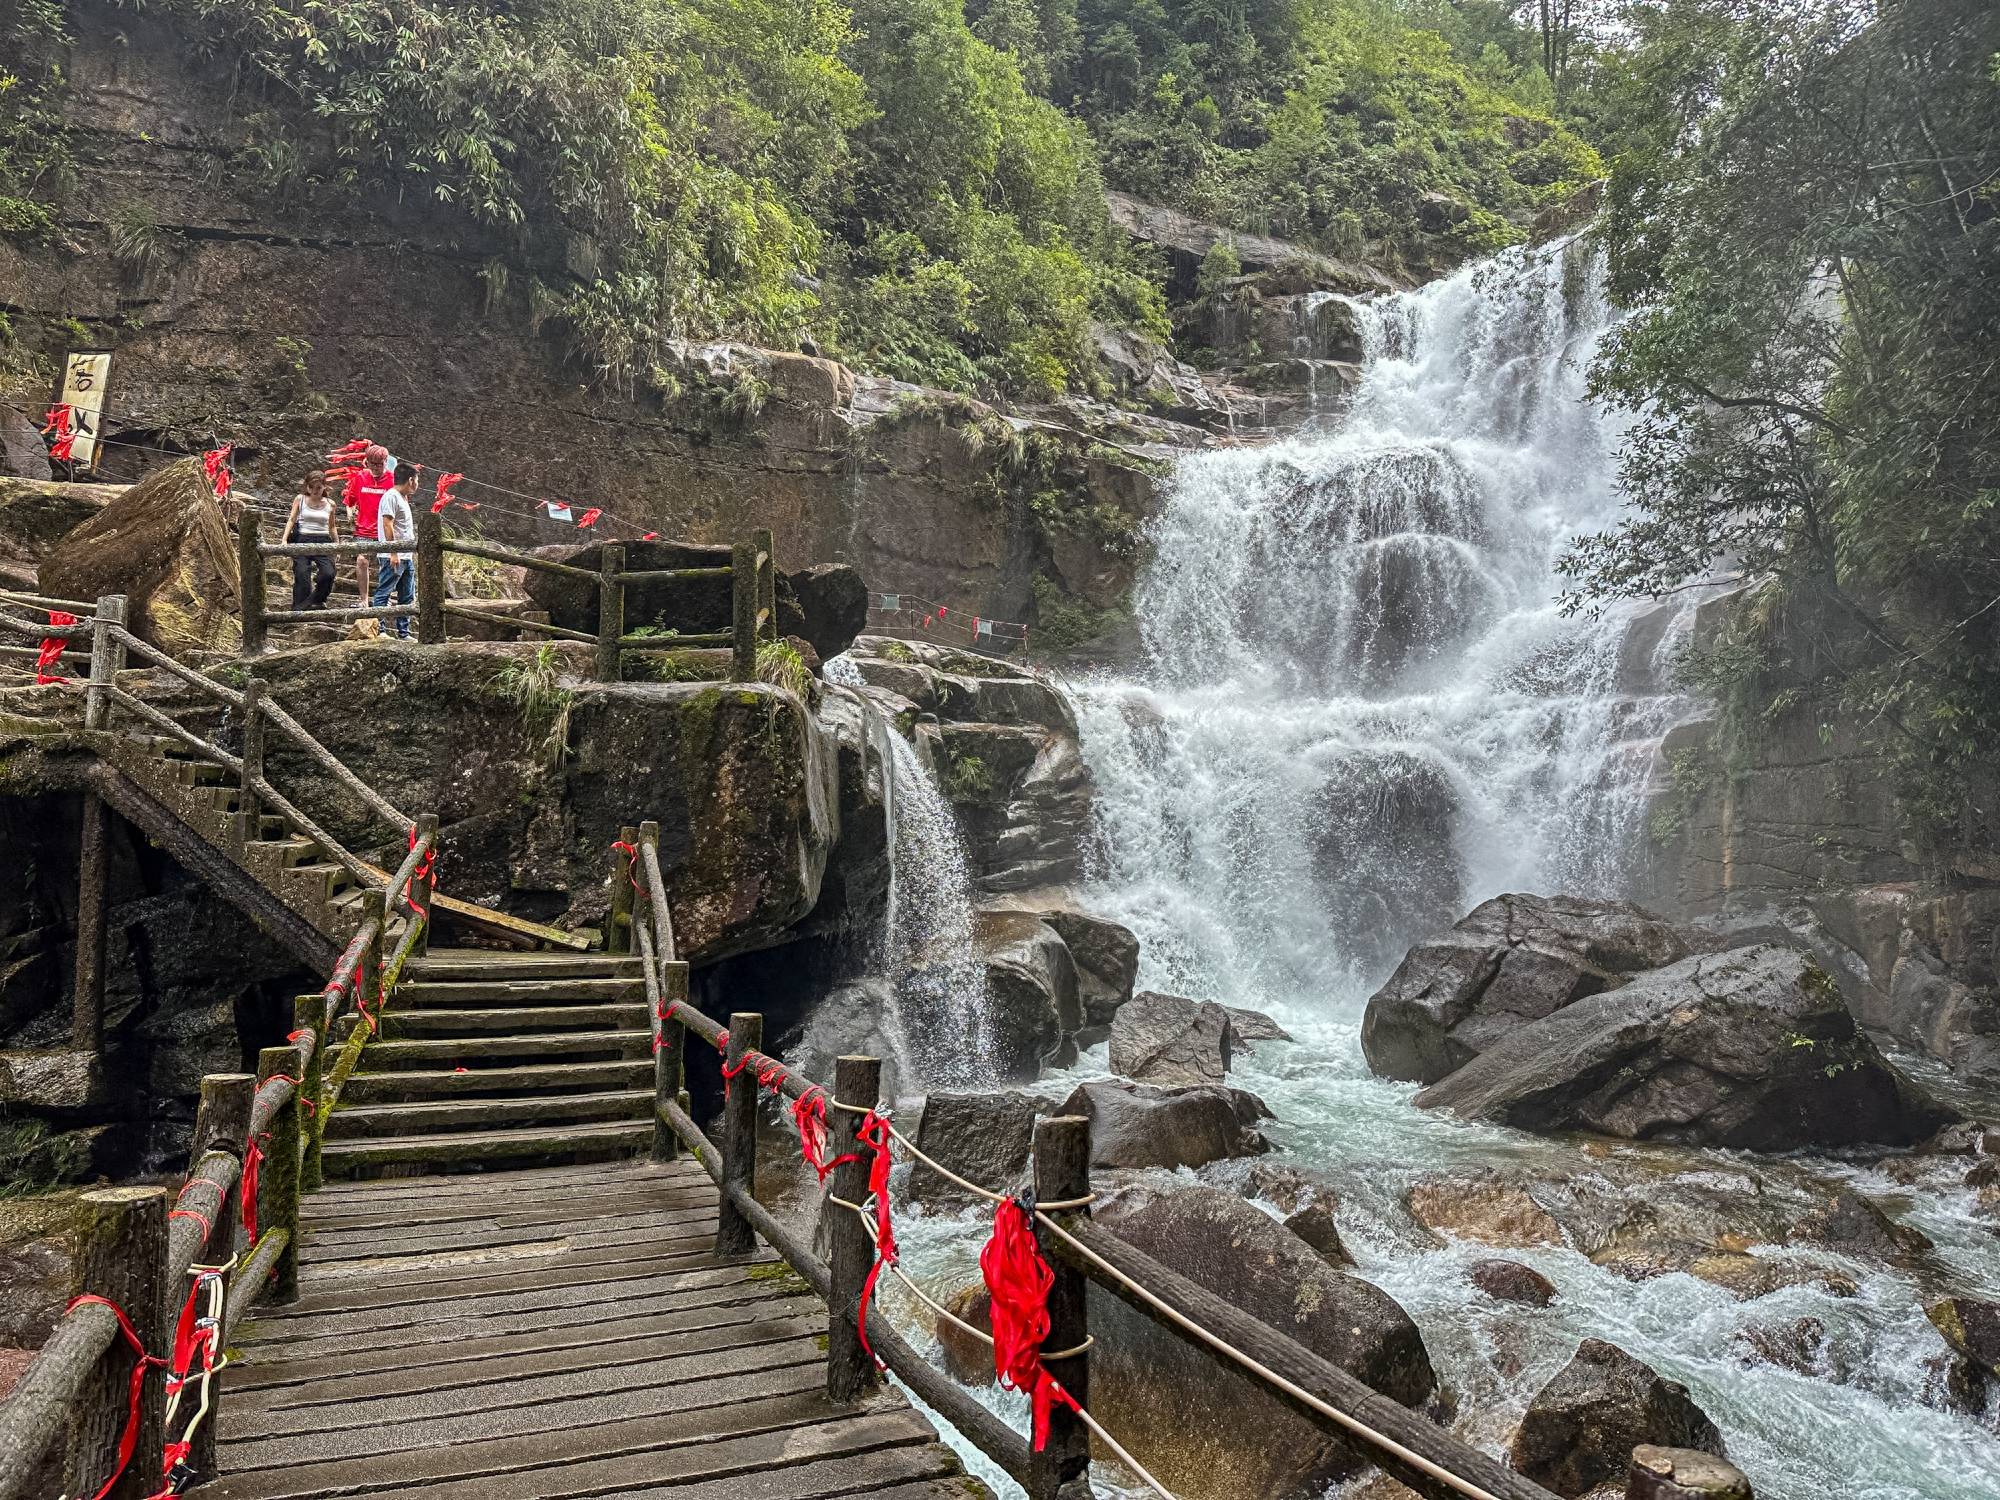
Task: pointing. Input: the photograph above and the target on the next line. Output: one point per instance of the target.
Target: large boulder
(1143, 1125)
(1682, 1474)
(1580, 1430)
(985, 1138)
(1512, 959)
(1972, 1327)
(35, 515)
(1107, 960)
(166, 545)
(1032, 1004)
(1169, 1039)
(833, 606)
(1750, 1049)
(1392, 813)
(1207, 1430)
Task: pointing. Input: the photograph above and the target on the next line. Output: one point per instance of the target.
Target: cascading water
(1363, 712)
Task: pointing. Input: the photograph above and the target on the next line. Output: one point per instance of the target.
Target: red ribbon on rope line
(809, 1115)
(61, 425)
(874, 1135)
(128, 1440)
(1018, 1280)
(52, 649)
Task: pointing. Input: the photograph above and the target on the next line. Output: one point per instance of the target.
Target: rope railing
(1072, 1250)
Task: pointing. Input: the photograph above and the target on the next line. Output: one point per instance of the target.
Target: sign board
(85, 377)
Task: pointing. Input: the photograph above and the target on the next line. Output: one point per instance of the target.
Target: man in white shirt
(395, 522)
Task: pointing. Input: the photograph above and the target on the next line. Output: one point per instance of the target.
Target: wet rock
(852, 1021)
(1485, 1212)
(1972, 1327)
(54, 1081)
(968, 1360)
(37, 1261)
(1031, 994)
(1247, 1026)
(166, 545)
(1682, 1474)
(1750, 1049)
(833, 605)
(1315, 1224)
(1187, 1412)
(1392, 813)
(1512, 960)
(1798, 1346)
(1023, 795)
(1107, 960)
(985, 1138)
(1510, 1281)
(1849, 1223)
(1285, 1187)
(1955, 1384)
(1142, 1125)
(1580, 1430)
(1169, 1039)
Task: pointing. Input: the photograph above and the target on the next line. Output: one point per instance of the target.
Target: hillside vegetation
(914, 189)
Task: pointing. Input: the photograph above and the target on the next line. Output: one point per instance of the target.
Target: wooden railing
(1402, 1443)
(752, 574)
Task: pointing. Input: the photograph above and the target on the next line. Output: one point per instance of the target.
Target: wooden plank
(487, 919)
(326, 1247)
(485, 1184)
(502, 1227)
(584, 1204)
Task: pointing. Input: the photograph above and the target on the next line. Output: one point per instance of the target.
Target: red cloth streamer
(60, 425)
(142, 1362)
(874, 1135)
(215, 464)
(732, 1071)
(252, 1160)
(1018, 1281)
(651, 536)
(52, 650)
(809, 1114)
(631, 853)
(589, 518)
(446, 484)
(190, 1340)
(421, 872)
(771, 1077)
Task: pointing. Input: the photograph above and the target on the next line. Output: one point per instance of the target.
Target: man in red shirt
(363, 499)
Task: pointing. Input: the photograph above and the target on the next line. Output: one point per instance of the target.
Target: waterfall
(1364, 709)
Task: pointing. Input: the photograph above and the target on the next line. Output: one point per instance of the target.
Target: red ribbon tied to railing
(215, 464)
(874, 1135)
(1018, 1280)
(50, 654)
(421, 872)
(128, 1440)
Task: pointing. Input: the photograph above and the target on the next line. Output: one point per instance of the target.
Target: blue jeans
(397, 577)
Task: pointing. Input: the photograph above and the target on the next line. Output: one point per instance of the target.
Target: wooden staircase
(490, 1059)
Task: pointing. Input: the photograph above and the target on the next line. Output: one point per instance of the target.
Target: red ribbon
(252, 1160)
(215, 464)
(128, 1440)
(60, 425)
(53, 647)
(446, 484)
(732, 1071)
(874, 1135)
(631, 853)
(809, 1115)
(588, 518)
(421, 872)
(1018, 1280)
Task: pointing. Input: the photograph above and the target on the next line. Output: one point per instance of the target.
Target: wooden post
(738, 1138)
(423, 888)
(250, 580)
(93, 910)
(1062, 1173)
(309, 1016)
(743, 612)
(767, 584)
(249, 810)
(610, 610)
(430, 577)
(122, 1252)
(221, 1123)
(107, 656)
(669, 1060)
(278, 1178)
(850, 1373)
(618, 934)
(368, 976)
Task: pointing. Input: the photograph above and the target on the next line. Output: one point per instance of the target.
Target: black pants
(309, 592)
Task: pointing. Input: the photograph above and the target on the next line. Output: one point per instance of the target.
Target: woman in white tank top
(311, 520)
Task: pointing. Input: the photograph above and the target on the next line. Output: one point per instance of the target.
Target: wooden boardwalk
(562, 1331)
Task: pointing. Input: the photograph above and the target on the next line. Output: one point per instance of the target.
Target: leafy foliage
(1806, 219)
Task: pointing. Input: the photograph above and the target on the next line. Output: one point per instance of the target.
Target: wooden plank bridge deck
(560, 1331)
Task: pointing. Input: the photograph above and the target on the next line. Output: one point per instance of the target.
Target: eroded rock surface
(1169, 1039)
(1580, 1430)
(1142, 1125)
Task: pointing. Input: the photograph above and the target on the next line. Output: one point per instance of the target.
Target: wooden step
(468, 965)
(521, 1021)
(489, 1148)
(433, 1117)
(430, 994)
(496, 1051)
(417, 1084)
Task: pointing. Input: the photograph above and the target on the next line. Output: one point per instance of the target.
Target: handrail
(24, 599)
(494, 553)
(207, 749)
(330, 763)
(192, 678)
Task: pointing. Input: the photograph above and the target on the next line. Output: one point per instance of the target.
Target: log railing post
(278, 1179)
(122, 1258)
(850, 1373)
(618, 934)
(250, 581)
(430, 577)
(107, 656)
(249, 810)
(220, 1124)
(743, 611)
(93, 913)
(733, 1234)
(668, 1061)
(309, 1016)
(767, 584)
(368, 973)
(610, 609)
(1062, 1174)
(423, 886)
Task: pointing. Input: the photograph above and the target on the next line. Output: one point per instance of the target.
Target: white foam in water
(1362, 713)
